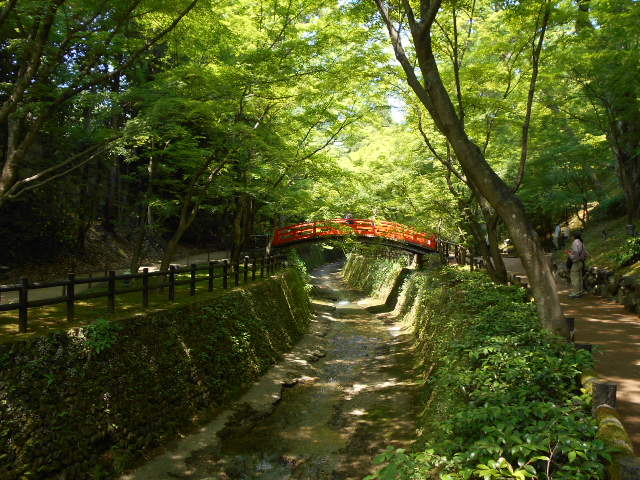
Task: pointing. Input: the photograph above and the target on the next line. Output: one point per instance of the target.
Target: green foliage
(359, 272)
(629, 253)
(501, 399)
(180, 365)
(102, 335)
(612, 207)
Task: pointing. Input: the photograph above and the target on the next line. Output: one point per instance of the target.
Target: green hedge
(501, 396)
(83, 404)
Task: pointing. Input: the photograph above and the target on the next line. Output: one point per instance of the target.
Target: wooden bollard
(172, 283)
(23, 312)
(604, 393)
(571, 324)
(192, 279)
(71, 297)
(210, 274)
(629, 468)
(111, 296)
(145, 287)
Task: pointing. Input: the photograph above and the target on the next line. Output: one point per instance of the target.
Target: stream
(350, 399)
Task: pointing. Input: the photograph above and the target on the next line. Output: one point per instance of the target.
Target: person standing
(578, 254)
(564, 235)
(556, 236)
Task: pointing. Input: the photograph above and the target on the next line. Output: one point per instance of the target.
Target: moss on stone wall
(82, 404)
(373, 276)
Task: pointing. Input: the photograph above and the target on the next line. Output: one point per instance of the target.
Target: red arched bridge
(388, 233)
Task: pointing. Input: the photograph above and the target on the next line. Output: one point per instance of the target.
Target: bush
(613, 207)
(628, 253)
(501, 400)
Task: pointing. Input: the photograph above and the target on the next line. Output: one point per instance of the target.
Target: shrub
(501, 400)
(613, 207)
(628, 253)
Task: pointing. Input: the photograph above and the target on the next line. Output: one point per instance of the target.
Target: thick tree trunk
(629, 167)
(494, 247)
(434, 96)
(625, 139)
(141, 235)
(482, 246)
(498, 194)
(170, 249)
(110, 207)
(240, 224)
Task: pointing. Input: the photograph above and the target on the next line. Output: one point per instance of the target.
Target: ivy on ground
(502, 397)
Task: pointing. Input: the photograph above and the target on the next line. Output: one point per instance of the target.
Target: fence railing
(247, 269)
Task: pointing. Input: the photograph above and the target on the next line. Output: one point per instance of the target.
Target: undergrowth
(501, 397)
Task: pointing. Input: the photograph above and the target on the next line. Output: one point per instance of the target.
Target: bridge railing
(359, 227)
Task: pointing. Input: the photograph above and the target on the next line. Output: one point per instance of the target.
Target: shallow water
(331, 425)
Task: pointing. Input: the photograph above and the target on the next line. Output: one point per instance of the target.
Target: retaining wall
(85, 403)
(624, 289)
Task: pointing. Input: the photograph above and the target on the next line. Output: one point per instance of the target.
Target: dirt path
(616, 334)
(325, 412)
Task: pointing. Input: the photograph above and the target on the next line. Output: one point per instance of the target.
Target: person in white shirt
(556, 236)
(578, 254)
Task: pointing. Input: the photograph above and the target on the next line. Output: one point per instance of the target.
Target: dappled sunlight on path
(615, 334)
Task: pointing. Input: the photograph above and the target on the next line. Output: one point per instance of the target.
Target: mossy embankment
(501, 395)
(85, 403)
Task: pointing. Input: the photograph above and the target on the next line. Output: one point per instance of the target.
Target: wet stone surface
(359, 398)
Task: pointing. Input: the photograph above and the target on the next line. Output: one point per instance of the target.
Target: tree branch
(15, 191)
(535, 60)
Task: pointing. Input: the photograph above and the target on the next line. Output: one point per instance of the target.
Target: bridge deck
(396, 233)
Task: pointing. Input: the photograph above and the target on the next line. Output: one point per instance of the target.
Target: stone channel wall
(87, 402)
(410, 307)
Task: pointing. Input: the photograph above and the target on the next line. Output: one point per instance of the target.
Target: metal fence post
(246, 269)
(225, 274)
(236, 273)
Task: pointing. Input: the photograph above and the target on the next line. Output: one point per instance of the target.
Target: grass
(602, 250)
(45, 320)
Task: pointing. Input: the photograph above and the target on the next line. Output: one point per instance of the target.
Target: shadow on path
(616, 334)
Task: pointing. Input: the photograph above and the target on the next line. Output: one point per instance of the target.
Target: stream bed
(354, 396)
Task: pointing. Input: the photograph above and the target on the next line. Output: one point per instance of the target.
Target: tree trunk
(625, 138)
(239, 238)
(186, 218)
(482, 246)
(434, 96)
(496, 257)
(145, 217)
(110, 208)
(138, 247)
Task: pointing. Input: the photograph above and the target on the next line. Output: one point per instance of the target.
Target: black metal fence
(241, 271)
